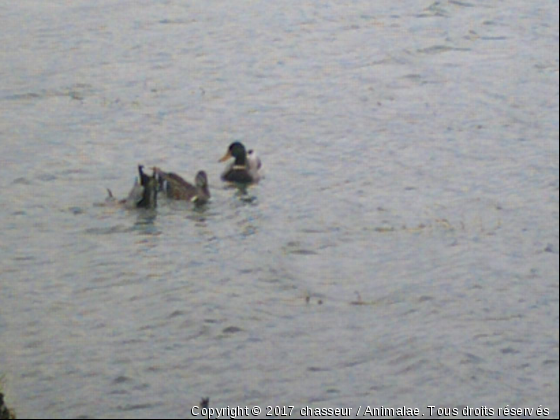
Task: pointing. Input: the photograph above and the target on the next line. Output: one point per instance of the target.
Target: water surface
(401, 250)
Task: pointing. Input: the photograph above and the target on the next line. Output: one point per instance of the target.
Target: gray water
(402, 248)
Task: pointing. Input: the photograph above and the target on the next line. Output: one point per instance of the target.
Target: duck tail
(143, 177)
(150, 184)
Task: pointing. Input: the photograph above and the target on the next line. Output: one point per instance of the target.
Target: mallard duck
(245, 168)
(143, 193)
(179, 189)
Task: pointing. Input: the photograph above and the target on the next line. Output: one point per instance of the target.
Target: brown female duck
(179, 189)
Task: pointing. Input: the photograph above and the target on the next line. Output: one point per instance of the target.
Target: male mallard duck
(143, 193)
(179, 189)
(245, 168)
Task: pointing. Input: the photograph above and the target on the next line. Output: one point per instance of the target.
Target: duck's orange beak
(225, 157)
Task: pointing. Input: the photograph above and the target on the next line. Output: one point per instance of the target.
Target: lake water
(402, 248)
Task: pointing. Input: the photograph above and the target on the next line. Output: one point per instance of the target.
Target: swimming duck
(179, 189)
(245, 168)
(143, 193)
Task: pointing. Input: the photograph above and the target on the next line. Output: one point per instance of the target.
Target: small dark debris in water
(550, 248)
(308, 300)
(409, 188)
(121, 380)
(231, 330)
(5, 412)
(358, 300)
(248, 199)
(303, 252)
(76, 96)
(175, 314)
(76, 210)
(205, 403)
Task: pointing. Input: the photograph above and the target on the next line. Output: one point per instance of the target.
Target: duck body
(178, 189)
(245, 168)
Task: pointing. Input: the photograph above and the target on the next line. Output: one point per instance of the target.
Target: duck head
(201, 182)
(237, 151)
